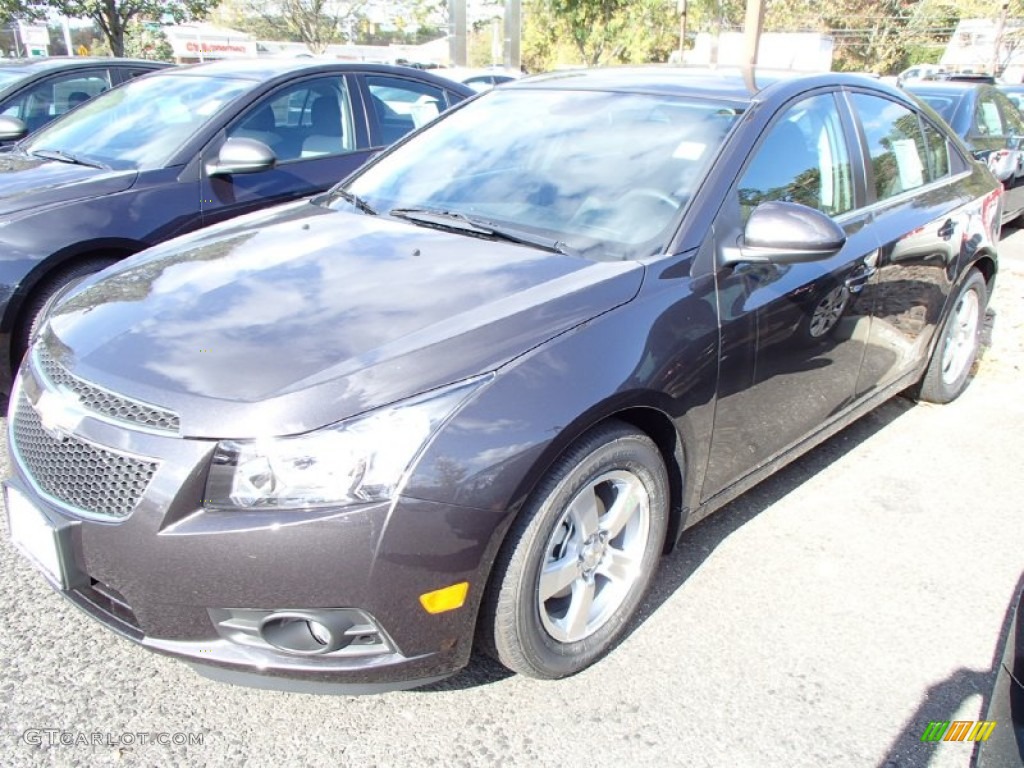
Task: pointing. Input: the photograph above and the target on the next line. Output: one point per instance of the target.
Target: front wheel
(950, 367)
(580, 557)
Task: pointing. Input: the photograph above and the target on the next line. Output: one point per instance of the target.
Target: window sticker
(909, 163)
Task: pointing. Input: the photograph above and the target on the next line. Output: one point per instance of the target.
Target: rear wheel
(580, 557)
(950, 367)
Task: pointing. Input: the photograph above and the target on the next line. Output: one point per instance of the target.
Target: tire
(950, 366)
(47, 293)
(548, 628)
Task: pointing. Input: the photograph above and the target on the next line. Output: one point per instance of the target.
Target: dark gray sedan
(469, 396)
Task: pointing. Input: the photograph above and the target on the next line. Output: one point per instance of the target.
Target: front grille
(103, 402)
(79, 474)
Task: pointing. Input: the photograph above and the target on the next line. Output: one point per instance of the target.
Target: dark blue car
(181, 149)
(990, 125)
(38, 91)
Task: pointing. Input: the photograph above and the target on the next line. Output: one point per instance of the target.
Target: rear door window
(896, 145)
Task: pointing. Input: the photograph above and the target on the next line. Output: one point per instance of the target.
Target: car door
(915, 178)
(317, 133)
(792, 335)
(49, 98)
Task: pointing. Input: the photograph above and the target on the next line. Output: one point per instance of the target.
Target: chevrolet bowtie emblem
(59, 413)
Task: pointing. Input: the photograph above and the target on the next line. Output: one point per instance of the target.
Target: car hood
(294, 318)
(33, 182)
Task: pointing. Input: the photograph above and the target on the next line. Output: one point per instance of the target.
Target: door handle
(860, 277)
(947, 229)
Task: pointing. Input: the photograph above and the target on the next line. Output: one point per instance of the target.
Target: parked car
(1015, 93)
(473, 393)
(991, 126)
(1002, 742)
(481, 79)
(919, 72)
(964, 77)
(182, 149)
(36, 91)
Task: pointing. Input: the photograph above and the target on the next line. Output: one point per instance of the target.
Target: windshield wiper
(356, 201)
(67, 157)
(460, 222)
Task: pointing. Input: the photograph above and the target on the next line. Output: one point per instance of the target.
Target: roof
(943, 86)
(30, 66)
(264, 69)
(727, 84)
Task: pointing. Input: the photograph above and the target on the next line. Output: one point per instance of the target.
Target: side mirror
(787, 233)
(238, 155)
(12, 129)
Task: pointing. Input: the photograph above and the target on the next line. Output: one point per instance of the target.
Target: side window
(1011, 116)
(802, 159)
(987, 120)
(309, 119)
(51, 98)
(899, 160)
(130, 73)
(938, 151)
(402, 105)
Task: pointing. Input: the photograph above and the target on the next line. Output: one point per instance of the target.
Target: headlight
(355, 461)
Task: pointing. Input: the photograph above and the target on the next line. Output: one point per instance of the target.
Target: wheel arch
(986, 264)
(651, 419)
(45, 270)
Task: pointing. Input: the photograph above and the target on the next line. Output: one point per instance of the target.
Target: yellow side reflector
(446, 598)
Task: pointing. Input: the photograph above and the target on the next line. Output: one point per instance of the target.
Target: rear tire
(950, 367)
(580, 557)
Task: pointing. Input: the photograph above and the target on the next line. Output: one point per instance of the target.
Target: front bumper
(167, 574)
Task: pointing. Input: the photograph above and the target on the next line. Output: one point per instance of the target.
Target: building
(197, 42)
(973, 48)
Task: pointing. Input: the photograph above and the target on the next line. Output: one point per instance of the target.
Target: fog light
(446, 598)
(306, 633)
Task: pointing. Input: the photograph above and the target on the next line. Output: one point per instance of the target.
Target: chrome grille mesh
(106, 403)
(80, 474)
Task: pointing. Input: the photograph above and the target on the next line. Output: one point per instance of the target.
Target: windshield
(140, 125)
(603, 173)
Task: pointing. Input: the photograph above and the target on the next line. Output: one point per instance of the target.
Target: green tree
(147, 41)
(317, 23)
(114, 16)
(595, 32)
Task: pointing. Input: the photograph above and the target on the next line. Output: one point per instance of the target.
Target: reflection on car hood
(32, 182)
(299, 316)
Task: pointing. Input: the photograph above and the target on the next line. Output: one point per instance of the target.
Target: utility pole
(681, 7)
(1000, 29)
(457, 53)
(513, 58)
(752, 31)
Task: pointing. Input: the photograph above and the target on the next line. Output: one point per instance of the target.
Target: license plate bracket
(46, 542)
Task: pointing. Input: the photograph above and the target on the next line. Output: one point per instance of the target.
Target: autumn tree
(114, 16)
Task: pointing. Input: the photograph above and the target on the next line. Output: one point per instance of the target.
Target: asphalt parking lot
(822, 619)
